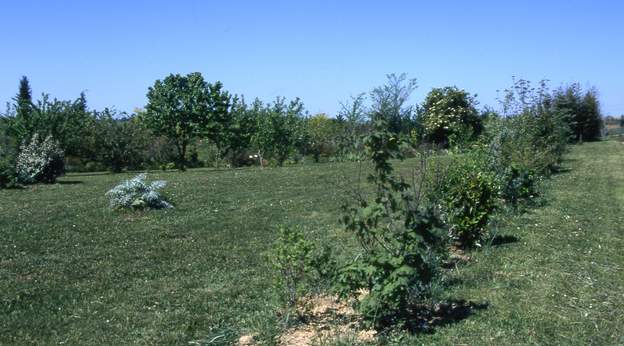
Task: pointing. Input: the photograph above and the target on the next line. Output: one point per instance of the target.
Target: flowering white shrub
(39, 161)
(449, 113)
(138, 194)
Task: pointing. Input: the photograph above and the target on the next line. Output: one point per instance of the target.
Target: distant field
(74, 272)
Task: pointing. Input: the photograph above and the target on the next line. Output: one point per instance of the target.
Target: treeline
(186, 115)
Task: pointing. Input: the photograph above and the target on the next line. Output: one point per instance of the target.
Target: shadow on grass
(503, 240)
(427, 319)
(87, 174)
(454, 311)
(69, 182)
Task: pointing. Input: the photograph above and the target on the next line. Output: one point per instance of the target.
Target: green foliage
(219, 127)
(279, 129)
(39, 161)
(7, 168)
(23, 126)
(67, 122)
(7, 157)
(241, 130)
(390, 103)
(182, 108)
(470, 199)
(449, 116)
(534, 134)
(292, 258)
(351, 125)
(519, 185)
(121, 141)
(321, 131)
(582, 111)
(399, 239)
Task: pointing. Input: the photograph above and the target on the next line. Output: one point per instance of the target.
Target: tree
(399, 235)
(218, 126)
(449, 114)
(22, 125)
(389, 103)
(582, 111)
(66, 121)
(121, 142)
(242, 125)
(178, 108)
(567, 101)
(278, 128)
(322, 132)
(353, 114)
(592, 118)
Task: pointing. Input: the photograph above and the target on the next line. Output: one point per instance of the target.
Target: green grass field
(74, 272)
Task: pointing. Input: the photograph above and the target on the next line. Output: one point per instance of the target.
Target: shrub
(291, 257)
(399, 239)
(39, 161)
(136, 193)
(300, 266)
(519, 157)
(535, 131)
(7, 171)
(519, 185)
(470, 198)
(449, 115)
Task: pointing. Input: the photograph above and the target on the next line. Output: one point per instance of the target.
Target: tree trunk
(181, 155)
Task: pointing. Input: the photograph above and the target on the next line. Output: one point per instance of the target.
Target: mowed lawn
(74, 272)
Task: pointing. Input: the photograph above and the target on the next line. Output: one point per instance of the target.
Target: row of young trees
(407, 227)
(184, 113)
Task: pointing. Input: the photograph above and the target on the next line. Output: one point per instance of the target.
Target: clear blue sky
(321, 51)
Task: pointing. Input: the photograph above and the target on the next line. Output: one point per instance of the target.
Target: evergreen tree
(592, 119)
(24, 98)
(22, 125)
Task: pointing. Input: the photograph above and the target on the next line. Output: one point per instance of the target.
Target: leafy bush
(534, 134)
(39, 161)
(121, 141)
(449, 115)
(136, 193)
(521, 186)
(520, 150)
(300, 265)
(400, 240)
(7, 170)
(470, 200)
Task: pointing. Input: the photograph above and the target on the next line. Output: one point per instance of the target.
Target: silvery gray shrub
(136, 193)
(39, 161)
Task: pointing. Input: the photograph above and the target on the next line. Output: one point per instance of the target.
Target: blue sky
(321, 51)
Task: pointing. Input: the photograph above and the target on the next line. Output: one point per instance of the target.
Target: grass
(74, 272)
